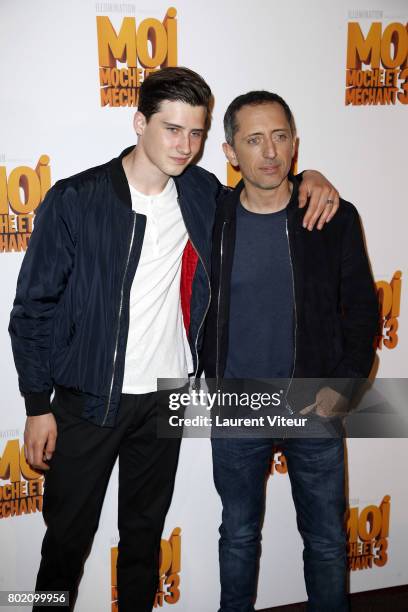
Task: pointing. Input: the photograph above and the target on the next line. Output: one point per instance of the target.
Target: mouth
(180, 161)
(269, 169)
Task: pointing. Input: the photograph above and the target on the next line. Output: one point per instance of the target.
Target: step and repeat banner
(70, 74)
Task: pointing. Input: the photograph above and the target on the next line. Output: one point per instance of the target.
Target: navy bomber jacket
(70, 320)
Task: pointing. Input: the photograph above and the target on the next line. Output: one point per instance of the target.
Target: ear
(295, 146)
(139, 123)
(230, 154)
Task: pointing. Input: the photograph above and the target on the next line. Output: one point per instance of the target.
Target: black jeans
(75, 487)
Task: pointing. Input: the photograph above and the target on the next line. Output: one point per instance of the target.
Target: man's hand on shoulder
(40, 435)
(323, 199)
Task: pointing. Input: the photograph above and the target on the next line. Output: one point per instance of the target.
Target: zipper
(295, 334)
(204, 315)
(209, 299)
(217, 362)
(119, 316)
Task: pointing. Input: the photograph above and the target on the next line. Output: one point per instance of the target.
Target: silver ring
(329, 201)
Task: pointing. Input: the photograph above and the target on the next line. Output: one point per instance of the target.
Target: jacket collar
(120, 182)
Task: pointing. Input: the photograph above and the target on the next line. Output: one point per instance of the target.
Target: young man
(289, 304)
(111, 296)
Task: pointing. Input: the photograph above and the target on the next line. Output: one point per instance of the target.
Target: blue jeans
(316, 471)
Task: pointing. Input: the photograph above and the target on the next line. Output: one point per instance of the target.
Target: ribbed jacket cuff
(37, 403)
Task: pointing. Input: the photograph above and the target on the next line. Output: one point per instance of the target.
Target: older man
(287, 303)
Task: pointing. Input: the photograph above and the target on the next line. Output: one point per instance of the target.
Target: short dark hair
(173, 84)
(253, 98)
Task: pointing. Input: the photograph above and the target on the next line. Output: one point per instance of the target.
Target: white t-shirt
(157, 344)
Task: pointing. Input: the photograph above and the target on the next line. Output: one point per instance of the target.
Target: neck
(142, 174)
(265, 201)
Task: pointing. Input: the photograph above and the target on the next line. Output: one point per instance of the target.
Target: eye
(253, 141)
(173, 130)
(196, 134)
(280, 137)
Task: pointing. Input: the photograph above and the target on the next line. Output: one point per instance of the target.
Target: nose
(184, 146)
(269, 149)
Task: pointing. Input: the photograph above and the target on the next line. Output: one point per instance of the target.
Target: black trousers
(75, 487)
